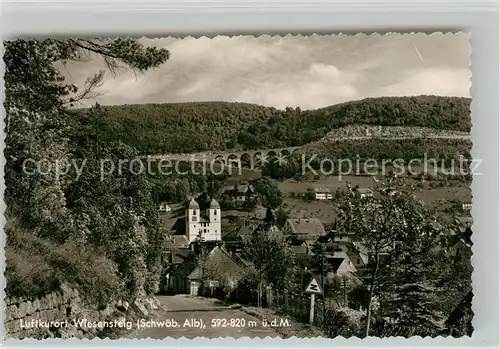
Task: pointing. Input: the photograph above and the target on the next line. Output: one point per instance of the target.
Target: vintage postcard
(271, 186)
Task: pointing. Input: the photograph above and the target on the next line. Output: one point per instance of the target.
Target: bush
(343, 322)
(246, 290)
(35, 267)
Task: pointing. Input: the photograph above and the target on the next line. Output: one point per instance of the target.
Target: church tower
(192, 220)
(214, 211)
(214, 216)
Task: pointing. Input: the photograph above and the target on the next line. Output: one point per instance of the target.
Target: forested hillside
(190, 127)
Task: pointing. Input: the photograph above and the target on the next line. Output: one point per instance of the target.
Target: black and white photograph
(239, 186)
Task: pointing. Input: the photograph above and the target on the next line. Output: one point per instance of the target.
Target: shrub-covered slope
(190, 127)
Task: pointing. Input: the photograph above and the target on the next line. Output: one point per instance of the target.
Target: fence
(329, 316)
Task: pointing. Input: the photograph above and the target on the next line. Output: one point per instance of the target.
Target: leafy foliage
(459, 323)
(331, 157)
(319, 262)
(268, 192)
(411, 297)
(75, 212)
(270, 255)
(35, 267)
(399, 233)
(191, 127)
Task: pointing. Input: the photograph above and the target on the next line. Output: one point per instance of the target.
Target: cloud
(310, 72)
(317, 86)
(439, 81)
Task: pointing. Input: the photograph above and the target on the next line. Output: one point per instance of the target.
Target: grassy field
(433, 193)
(328, 182)
(326, 211)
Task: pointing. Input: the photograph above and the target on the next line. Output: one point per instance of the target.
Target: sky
(291, 71)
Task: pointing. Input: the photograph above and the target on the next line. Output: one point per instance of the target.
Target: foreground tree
(410, 294)
(391, 225)
(38, 122)
(459, 322)
(61, 203)
(272, 259)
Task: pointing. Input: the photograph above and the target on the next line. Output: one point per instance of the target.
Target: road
(180, 308)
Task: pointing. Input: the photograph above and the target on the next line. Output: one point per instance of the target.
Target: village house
(218, 269)
(237, 238)
(239, 193)
(467, 206)
(344, 272)
(305, 229)
(322, 194)
(163, 207)
(340, 262)
(341, 236)
(365, 193)
(174, 258)
(338, 245)
(297, 245)
(338, 267)
(358, 255)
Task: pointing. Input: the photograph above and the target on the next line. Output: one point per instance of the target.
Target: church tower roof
(193, 204)
(214, 204)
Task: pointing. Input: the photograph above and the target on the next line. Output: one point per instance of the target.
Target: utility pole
(323, 279)
(311, 311)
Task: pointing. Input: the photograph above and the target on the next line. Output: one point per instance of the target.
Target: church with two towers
(205, 225)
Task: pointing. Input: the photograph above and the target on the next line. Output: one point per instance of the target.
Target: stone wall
(64, 314)
(353, 131)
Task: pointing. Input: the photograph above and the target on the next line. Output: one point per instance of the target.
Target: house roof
(365, 190)
(179, 255)
(303, 259)
(322, 190)
(310, 227)
(179, 227)
(238, 258)
(357, 254)
(299, 248)
(219, 262)
(242, 188)
(242, 233)
(339, 254)
(180, 241)
(360, 247)
(336, 263)
(185, 268)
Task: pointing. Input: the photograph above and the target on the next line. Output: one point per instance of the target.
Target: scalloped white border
(282, 18)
